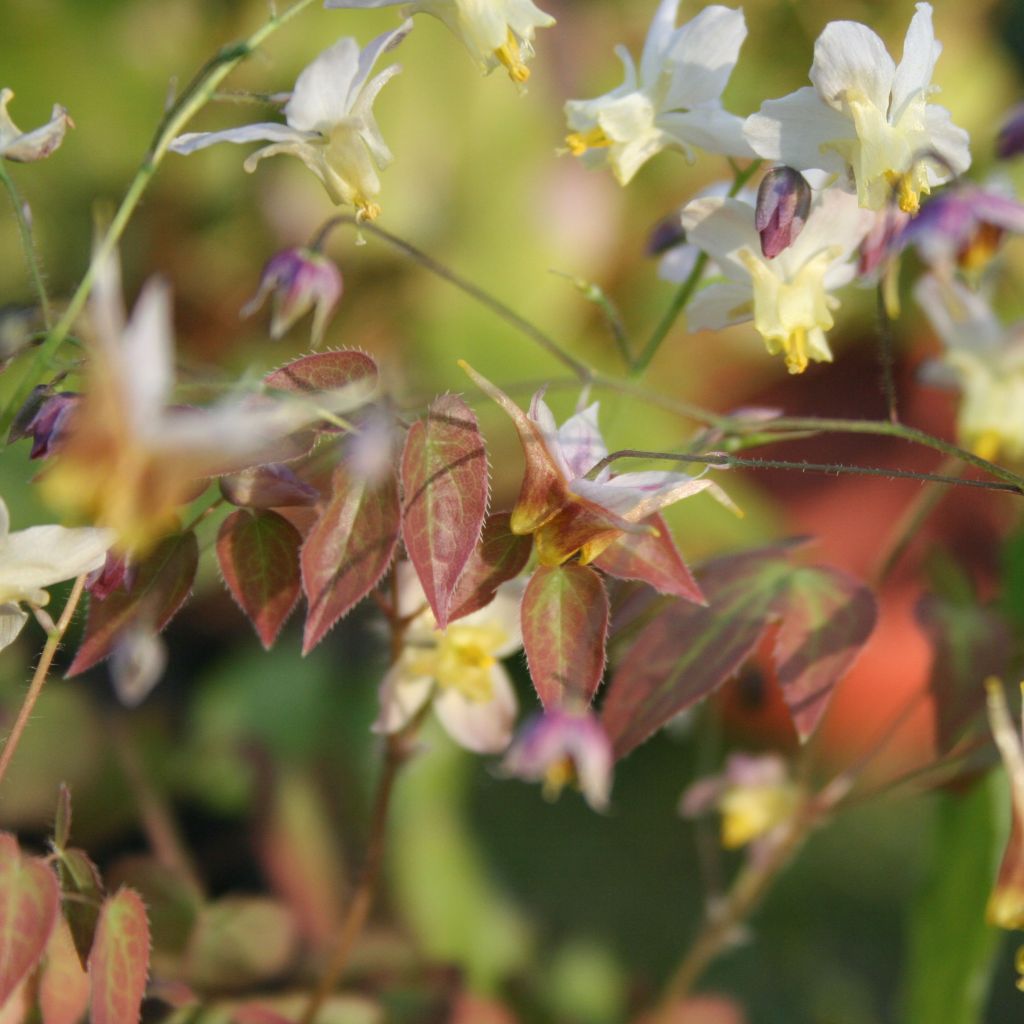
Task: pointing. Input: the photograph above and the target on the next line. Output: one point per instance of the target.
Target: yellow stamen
(511, 57)
(903, 185)
(986, 445)
(580, 142)
(978, 252)
(557, 777)
(366, 209)
(795, 347)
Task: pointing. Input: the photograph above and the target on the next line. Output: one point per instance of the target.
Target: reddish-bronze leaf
(826, 619)
(119, 961)
(565, 624)
(324, 371)
(273, 486)
(80, 881)
(445, 488)
(29, 905)
(64, 985)
(348, 550)
(651, 558)
(160, 585)
(500, 555)
(258, 554)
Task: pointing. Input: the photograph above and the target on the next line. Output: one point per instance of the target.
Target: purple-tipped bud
(783, 202)
(665, 235)
(113, 573)
(299, 280)
(43, 418)
(1010, 140)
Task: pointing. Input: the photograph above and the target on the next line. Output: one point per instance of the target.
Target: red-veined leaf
(119, 961)
(80, 881)
(348, 550)
(565, 623)
(29, 905)
(64, 985)
(651, 558)
(324, 371)
(274, 486)
(445, 487)
(499, 556)
(160, 585)
(258, 555)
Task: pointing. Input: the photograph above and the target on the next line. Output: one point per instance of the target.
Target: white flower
(27, 147)
(457, 668)
(788, 296)
(674, 101)
(867, 117)
(331, 127)
(494, 31)
(985, 361)
(33, 559)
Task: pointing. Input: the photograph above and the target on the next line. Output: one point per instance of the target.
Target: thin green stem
(28, 244)
(686, 290)
(195, 96)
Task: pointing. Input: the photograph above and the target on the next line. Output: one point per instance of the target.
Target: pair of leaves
(686, 652)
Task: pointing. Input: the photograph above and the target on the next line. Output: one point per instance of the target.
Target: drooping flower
(44, 418)
(567, 502)
(672, 101)
(331, 127)
(298, 280)
(457, 670)
(867, 117)
(27, 147)
(754, 795)
(495, 32)
(789, 297)
(36, 558)
(563, 746)
(985, 360)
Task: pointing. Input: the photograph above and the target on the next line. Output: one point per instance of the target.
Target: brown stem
(39, 677)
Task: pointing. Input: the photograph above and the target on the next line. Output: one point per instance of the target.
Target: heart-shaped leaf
(445, 486)
(119, 961)
(499, 555)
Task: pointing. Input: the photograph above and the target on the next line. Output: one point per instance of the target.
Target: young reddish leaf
(826, 620)
(323, 371)
(80, 880)
(500, 555)
(651, 558)
(970, 644)
(162, 582)
(688, 651)
(29, 905)
(64, 985)
(274, 486)
(565, 623)
(259, 559)
(348, 550)
(119, 961)
(445, 485)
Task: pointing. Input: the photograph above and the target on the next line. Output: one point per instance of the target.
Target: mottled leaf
(826, 618)
(565, 624)
(160, 585)
(258, 553)
(274, 486)
(119, 961)
(239, 942)
(969, 644)
(445, 488)
(80, 881)
(64, 985)
(348, 549)
(29, 905)
(500, 555)
(651, 558)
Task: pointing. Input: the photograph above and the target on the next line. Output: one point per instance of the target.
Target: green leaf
(445, 486)
(119, 961)
(952, 948)
(80, 881)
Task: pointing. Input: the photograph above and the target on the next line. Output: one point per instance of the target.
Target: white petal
(42, 555)
(12, 620)
(722, 227)
(710, 128)
(484, 727)
(949, 141)
(920, 52)
(849, 57)
(659, 38)
(5, 521)
(401, 697)
(369, 56)
(703, 54)
(136, 664)
(268, 131)
(794, 129)
(580, 442)
(720, 305)
(147, 354)
(322, 91)
(834, 221)
(962, 318)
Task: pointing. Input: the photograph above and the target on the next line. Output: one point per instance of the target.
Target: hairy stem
(39, 677)
(28, 244)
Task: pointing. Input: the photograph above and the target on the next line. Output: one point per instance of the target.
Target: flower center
(580, 142)
(558, 775)
(512, 59)
(464, 659)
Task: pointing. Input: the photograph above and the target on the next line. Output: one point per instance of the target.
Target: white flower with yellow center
(496, 32)
(458, 669)
(867, 117)
(674, 101)
(331, 127)
(789, 297)
(27, 147)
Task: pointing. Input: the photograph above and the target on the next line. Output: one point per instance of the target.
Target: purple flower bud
(115, 572)
(783, 202)
(563, 746)
(299, 280)
(43, 418)
(665, 235)
(1010, 141)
